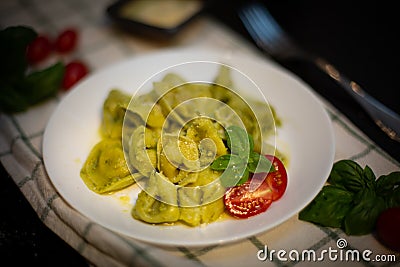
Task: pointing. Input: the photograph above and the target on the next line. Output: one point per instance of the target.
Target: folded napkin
(21, 155)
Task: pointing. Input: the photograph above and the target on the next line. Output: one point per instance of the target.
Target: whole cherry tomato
(74, 71)
(66, 41)
(387, 228)
(241, 202)
(39, 49)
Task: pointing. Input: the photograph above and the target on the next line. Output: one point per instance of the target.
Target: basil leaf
(251, 142)
(386, 183)
(42, 84)
(329, 207)
(19, 91)
(242, 159)
(258, 163)
(225, 161)
(393, 200)
(388, 186)
(238, 141)
(11, 100)
(362, 217)
(13, 43)
(232, 175)
(354, 200)
(245, 177)
(369, 176)
(221, 163)
(347, 174)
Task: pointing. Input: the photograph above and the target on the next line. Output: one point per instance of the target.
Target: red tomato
(277, 180)
(240, 202)
(39, 49)
(66, 41)
(387, 228)
(74, 71)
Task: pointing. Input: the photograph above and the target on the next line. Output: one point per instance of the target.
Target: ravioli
(169, 137)
(105, 170)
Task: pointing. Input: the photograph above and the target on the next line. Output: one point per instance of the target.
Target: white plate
(306, 136)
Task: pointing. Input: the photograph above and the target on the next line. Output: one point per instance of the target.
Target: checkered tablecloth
(101, 45)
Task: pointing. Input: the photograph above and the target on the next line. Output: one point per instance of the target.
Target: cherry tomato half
(74, 71)
(277, 180)
(240, 202)
(39, 49)
(66, 41)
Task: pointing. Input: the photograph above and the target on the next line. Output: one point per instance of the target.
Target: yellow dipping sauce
(161, 13)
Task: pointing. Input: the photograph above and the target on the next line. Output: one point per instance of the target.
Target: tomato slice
(277, 180)
(241, 202)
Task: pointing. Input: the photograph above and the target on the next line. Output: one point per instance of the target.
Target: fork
(270, 37)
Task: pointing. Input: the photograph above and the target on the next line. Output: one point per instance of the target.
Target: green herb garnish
(242, 160)
(353, 199)
(19, 89)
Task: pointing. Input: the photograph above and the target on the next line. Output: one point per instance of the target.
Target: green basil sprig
(242, 160)
(353, 199)
(19, 89)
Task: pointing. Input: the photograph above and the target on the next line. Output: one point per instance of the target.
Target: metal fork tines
(269, 36)
(267, 33)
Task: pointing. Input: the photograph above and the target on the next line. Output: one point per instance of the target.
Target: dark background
(358, 37)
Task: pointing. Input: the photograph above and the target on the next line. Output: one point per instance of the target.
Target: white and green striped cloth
(102, 45)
